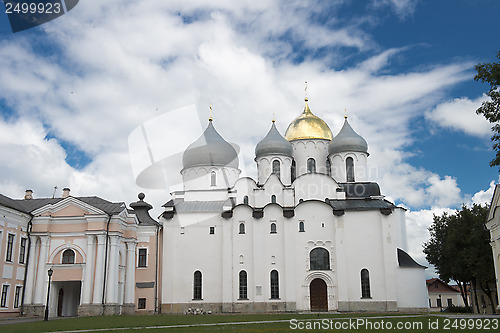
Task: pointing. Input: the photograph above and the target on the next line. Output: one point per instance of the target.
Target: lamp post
(50, 271)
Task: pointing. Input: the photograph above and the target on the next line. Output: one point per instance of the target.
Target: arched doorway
(60, 302)
(318, 295)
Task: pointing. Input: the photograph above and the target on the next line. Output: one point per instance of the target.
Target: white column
(87, 282)
(42, 276)
(99, 269)
(30, 277)
(130, 274)
(112, 278)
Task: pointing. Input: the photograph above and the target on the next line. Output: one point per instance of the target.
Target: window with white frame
(142, 257)
(22, 250)
(10, 247)
(5, 294)
(68, 257)
(17, 296)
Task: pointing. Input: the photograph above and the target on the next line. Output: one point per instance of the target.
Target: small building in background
(442, 295)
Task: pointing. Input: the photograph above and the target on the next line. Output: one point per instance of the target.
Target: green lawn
(343, 323)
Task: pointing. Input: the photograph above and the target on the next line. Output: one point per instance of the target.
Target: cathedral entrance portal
(318, 295)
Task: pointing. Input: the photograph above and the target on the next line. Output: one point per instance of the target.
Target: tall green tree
(459, 248)
(490, 73)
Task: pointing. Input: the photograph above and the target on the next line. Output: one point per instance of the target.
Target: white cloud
(403, 8)
(460, 114)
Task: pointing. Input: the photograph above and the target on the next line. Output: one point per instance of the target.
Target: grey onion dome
(210, 150)
(347, 140)
(273, 144)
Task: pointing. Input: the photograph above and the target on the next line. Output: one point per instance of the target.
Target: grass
(280, 323)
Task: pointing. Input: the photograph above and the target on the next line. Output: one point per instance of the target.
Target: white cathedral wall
(265, 169)
(355, 240)
(412, 289)
(199, 178)
(361, 172)
(315, 186)
(305, 149)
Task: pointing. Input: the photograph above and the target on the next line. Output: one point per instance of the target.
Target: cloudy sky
(80, 95)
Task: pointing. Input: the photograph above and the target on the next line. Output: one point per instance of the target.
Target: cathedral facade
(311, 233)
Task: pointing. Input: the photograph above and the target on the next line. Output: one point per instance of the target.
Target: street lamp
(48, 294)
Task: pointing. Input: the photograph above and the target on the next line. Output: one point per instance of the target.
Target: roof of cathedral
(405, 260)
(30, 205)
(273, 144)
(210, 149)
(308, 126)
(347, 140)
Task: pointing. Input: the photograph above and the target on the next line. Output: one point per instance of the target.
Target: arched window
(365, 283)
(349, 168)
(243, 285)
(68, 257)
(213, 178)
(242, 228)
(197, 285)
(273, 228)
(273, 198)
(319, 259)
(292, 171)
(301, 226)
(275, 285)
(311, 165)
(328, 167)
(245, 199)
(276, 168)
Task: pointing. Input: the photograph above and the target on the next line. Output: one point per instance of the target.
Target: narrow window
(273, 198)
(197, 285)
(365, 283)
(243, 285)
(319, 259)
(275, 288)
(328, 167)
(22, 250)
(17, 296)
(143, 255)
(242, 228)
(293, 171)
(10, 247)
(245, 199)
(213, 178)
(5, 292)
(212, 231)
(301, 226)
(68, 257)
(273, 228)
(311, 165)
(438, 303)
(276, 168)
(141, 303)
(349, 166)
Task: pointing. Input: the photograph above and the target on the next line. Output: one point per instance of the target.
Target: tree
(459, 248)
(490, 73)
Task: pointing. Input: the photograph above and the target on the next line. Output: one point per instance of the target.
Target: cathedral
(311, 233)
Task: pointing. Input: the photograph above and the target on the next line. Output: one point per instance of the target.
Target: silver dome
(210, 150)
(347, 140)
(273, 144)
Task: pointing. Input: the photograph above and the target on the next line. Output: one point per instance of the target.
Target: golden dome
(308, 126)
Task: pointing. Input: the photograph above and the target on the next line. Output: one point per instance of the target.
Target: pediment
(69, 206)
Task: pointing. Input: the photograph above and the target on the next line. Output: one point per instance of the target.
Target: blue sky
(74, 91)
